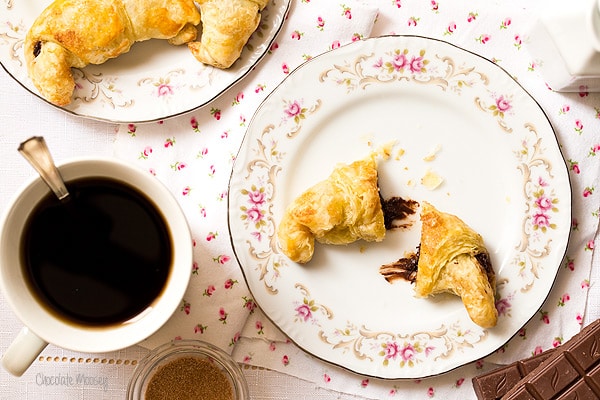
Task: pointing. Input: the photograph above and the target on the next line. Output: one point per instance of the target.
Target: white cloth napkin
(193, 156)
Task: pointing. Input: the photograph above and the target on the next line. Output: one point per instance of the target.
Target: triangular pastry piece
(341, 209)
(226, 28)
(453, 258)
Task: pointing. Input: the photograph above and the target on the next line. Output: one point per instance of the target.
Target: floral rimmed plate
(153, 81)
(439, 112)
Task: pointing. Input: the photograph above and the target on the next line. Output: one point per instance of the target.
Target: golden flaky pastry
(341, 209)
(226, 27)
(75, 33)
(453, 258)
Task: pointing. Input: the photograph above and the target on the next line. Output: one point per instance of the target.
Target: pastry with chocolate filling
(75, 33)
(341, 209)
(451, 258)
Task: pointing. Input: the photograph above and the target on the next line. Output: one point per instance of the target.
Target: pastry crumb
(400, 153)
(433, 154)
(368, 139)
(431, 180)
(385, 150)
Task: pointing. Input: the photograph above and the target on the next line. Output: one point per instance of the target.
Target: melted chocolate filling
(484, 262)
(396, 208)
(37, 48)
(405, 268)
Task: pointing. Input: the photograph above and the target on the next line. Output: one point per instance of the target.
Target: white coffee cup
(42, 326)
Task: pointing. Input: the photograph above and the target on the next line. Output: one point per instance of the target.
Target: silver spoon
(36, 152)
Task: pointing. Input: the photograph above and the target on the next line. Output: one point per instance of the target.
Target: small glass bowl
(170, 353)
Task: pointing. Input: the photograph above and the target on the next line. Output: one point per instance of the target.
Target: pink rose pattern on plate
(207, 140)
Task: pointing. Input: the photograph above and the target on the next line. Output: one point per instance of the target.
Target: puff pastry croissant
(452, 258)
(226, 27)
(75, 33)
(341, 209)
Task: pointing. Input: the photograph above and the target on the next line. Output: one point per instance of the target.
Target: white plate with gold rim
(153, 81)
(445, 112)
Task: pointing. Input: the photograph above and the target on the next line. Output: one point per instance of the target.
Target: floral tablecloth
(194, 153)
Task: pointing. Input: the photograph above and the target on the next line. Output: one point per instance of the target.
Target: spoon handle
(36, 152)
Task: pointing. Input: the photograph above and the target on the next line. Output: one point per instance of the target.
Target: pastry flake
(341, 209)
(431, 180)
(75, 33)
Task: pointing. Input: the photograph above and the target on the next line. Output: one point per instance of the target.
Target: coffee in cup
(98, 271)
(98, 257)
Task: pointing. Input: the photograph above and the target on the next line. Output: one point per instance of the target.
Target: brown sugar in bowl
(187, 369)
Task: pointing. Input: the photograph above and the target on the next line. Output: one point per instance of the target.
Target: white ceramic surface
(438, 109)
(153, 81)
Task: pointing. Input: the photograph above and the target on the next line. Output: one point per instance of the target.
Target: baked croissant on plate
(341, 209)
(75, 33)
(451, 258)
(226, 27)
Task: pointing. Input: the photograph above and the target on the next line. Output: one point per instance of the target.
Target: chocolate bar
(496, 383)
(572, 371)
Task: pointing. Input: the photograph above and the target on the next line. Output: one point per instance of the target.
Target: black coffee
(99, 257)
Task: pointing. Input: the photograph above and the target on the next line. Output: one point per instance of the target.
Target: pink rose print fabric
(181, 155)
(193, 155)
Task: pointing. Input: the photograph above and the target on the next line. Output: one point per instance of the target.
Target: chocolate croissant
(75, 33)
(341, 209)
(451, 258)
(226, 27)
